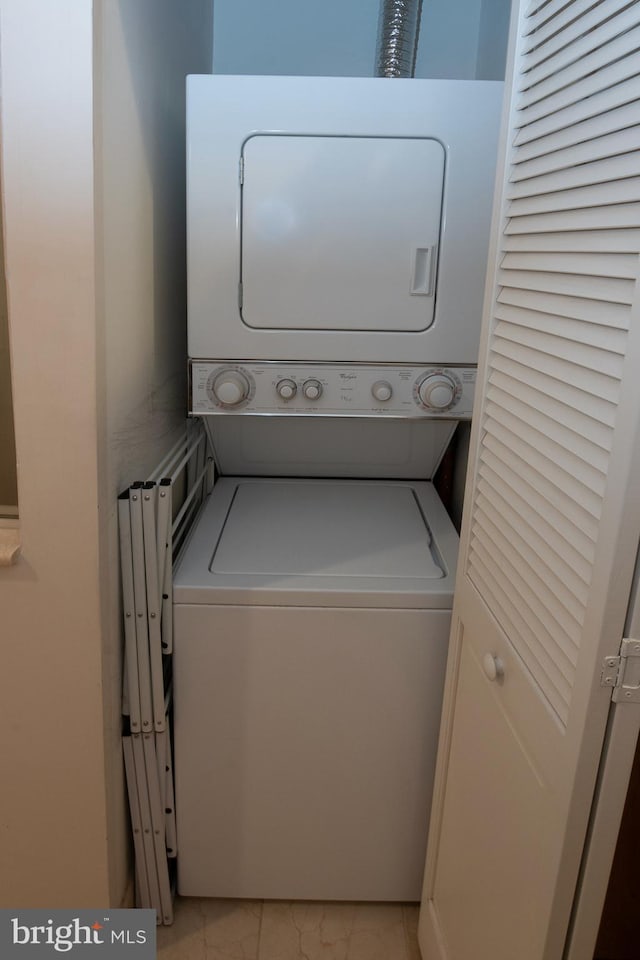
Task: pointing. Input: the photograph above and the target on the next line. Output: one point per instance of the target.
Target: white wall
(53, 826)
(144, 49)
(492, 44)
(448, 43)
(291, 37)
(95, 272)
(336, 38)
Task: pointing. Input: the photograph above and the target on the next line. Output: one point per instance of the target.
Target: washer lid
(325, 529)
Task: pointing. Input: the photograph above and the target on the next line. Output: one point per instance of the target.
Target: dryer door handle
(422, 272)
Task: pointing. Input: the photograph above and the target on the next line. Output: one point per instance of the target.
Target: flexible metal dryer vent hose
(398, 29)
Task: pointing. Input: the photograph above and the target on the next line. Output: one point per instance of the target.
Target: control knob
(230, 388)
(382, 390)
(286, 389)
(312, 389)
(437, 391)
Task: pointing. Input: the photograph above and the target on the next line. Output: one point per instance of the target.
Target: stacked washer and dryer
(337, 244)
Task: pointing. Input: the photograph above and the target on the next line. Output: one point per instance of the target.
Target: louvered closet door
(552, 515)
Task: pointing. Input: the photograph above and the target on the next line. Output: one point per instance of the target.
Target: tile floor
(277, 930)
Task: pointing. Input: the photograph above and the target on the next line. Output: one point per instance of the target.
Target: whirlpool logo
(38, 933)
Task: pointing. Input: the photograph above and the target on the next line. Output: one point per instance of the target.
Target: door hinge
(241, 170)
(622, 673)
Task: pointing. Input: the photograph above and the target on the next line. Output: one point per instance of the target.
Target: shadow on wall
(8, 478)
(145, 236)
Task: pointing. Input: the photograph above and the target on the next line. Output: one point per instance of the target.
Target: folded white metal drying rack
(154, 518)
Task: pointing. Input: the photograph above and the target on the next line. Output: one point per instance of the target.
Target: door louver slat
(579, 133)
(590, 334)
(614, 59)
(621, 191)
(554, 430)
(585, 34)
(534, 462)
(572, 591)
(603, 289)
(583, 109)
(545, 541)
(502, 458)
(562, 416)
(561, 313)
(617, 216)
(569, 465)
(588, 151)
(592, 382)
(570, 601)
(579, 308)
(539, 30)
(540, 11)
(619, 266)
(601, 411)
(535, 426)
(615, 241)
(599, 172)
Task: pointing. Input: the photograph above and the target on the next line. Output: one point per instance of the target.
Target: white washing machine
(311, 628)
(337, 241)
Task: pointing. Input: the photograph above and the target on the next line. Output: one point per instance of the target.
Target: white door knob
(493, 666)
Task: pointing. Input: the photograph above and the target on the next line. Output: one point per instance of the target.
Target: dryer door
(340, 233)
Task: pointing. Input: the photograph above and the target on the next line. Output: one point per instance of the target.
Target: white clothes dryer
(311, 628)
(338, 219)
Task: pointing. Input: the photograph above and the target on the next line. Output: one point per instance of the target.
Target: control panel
(331, 389)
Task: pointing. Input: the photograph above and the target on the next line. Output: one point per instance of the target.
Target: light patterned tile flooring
(279, 930)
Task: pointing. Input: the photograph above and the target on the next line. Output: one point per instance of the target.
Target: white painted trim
(9, 545)
(609, 801)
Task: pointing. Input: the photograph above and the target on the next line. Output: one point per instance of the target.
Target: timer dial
(230, 388)
(437, 391)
